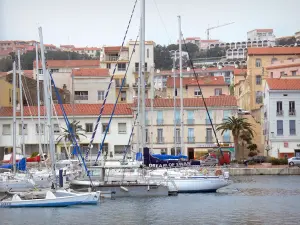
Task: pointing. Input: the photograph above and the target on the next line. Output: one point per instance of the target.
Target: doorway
(190, 153)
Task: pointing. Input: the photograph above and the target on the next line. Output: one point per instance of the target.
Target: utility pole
(14, 118)
(181, 90)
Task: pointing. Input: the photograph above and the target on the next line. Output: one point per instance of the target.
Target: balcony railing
(177, 121)
(159, 122)
(177, 139)
(160, 140)
(191, 139)
(81, 97)
(279, 113)
(208, 139)
(292, 112)
(119, 84)
(112, 58)
(190, 121)
(135, 85)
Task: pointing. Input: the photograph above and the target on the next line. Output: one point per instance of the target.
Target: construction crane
(211, 28)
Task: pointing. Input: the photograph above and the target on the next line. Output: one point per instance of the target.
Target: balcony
(279, 113)
(177, 139)
(159, 122)
(119, 84)
(111, 58)
(191, 140)
(292, 112)
(135, 85)
(81, 97)
(160, 140)
(209, 139)
(177, 121)
(207, 121)
(190, 121)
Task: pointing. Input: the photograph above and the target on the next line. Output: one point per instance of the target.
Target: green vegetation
(276, 161)
(76, 128)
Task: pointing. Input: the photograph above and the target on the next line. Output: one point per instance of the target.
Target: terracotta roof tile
(197, 70)
(214, 101)
(3, 74)
(79, 110)
(67, 46)
(274, 51)
(94, 72)
(70, 63)
(114, 48)
(209, 41)
(28, 73)
(264, 30)
(190, 81)
(283, 84)
(238, 72)
(192, 38)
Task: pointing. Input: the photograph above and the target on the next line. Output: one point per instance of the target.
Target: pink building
(290, 67)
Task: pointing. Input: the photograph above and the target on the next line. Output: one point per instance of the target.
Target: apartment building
(290, 67)
(197, 134)
(87, 114)
(67, 48)
(6, 96)
(258, 61)
(281, 121)
(210, 86)
(261, 35)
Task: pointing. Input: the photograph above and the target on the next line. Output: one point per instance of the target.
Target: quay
(261, 170)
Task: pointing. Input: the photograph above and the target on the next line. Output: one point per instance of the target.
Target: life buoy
(204, 171)
(218, 172)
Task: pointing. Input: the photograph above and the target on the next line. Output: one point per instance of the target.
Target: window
(176, 92)
(218, 91)
(54, 70)
(123, 96)
(147, 135)
(209, 135)
(119, 149)
(258, 80)
(37, 128)
(6, 129)
(24, 129)
(292, 127)
(177, 136)
(160, 119)
(40, 71)
(292, 111)
(191, 137)
(258, 62)
(271, 74)
(226, 136)
(122, 128)
(177, 117)
(190, 117)
(56, 128)
(259, 97)
(279, 127)
(147, 52)
(121, 66)
(146, 67)
(104, 126)
(100, 95)
(89, 127)
(108, 65)
(282, 73)
(136, 67)
(160, 138)
(81, 95)
(163, 151)
(273, 60)
(279, 111)
(197, 92)
(294, 73)
(226, 114)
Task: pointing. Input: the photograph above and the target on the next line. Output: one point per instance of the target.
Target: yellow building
(210, 86)
(6, 94)
(258, 60)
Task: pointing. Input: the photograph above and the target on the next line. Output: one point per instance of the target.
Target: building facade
(290, 67)
(197, 134)
(261, 35)
(281, 120)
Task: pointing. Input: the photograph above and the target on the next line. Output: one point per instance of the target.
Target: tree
(162, 58)
(237, 126)
(76, 128)
(286, 41)
(245, 139)
(6, 64)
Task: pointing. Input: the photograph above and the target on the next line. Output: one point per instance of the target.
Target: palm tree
(76, 128)
(237, 126)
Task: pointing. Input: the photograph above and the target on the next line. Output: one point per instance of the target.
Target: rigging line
(162, 21)
(109, 85)
(196, 77)
(116, 102)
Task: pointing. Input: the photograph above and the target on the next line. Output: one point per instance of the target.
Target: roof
(203, 81)
(70, 63)
(78, 49)
(114, 48)
(91, 72)
(197, 70)
(3, 74)
(79, 110)
(49, 45)
(262, 30)
(209, 41)
(283, 84)
(274, 51)
(192, 38)
(285, 65)
(214, 101)
(239, 72)
(28, 73)
(92, 48)
(67, 46)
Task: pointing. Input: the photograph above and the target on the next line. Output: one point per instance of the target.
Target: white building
(281, 119)
(87, 114)
(261, 35)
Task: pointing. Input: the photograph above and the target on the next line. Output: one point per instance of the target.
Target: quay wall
(264, 171)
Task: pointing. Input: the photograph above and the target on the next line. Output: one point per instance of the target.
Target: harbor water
(248, 200)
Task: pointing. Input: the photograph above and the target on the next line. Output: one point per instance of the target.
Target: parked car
(257, 159)
(294, 161)
(243, 112)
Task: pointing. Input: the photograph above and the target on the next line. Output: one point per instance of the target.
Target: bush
(283, 161)
(251, 163)
(252, 153)
(276, 161)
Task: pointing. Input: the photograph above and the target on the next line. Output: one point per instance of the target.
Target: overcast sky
(99, 22)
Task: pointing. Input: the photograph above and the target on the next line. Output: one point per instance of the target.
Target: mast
(14, 117)
(38, 96)
(181, 90)
(152, 99)
(21, 103)
(47, 100)
(142, 53)
(174, 81)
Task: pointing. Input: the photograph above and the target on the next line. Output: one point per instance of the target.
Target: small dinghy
(51, 200)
